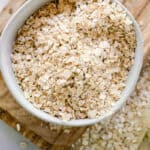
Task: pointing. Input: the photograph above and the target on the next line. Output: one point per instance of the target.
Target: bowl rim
(135, 71)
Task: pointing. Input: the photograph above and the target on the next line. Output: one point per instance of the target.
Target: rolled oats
(73, 61)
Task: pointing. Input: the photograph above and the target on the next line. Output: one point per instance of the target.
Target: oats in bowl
(72, 61)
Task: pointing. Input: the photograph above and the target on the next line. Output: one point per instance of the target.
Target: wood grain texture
(144, 19)
(139, 8)
(34, 138)
(136, 6)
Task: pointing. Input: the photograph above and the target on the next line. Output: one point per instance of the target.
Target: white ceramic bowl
(6, 41)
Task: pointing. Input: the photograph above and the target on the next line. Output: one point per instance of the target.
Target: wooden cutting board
(43, 134)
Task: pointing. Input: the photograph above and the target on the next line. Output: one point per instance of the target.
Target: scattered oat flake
(23, 145)
(18, 127)
(141, 23)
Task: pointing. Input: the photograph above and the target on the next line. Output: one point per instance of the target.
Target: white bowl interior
(7, 39)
